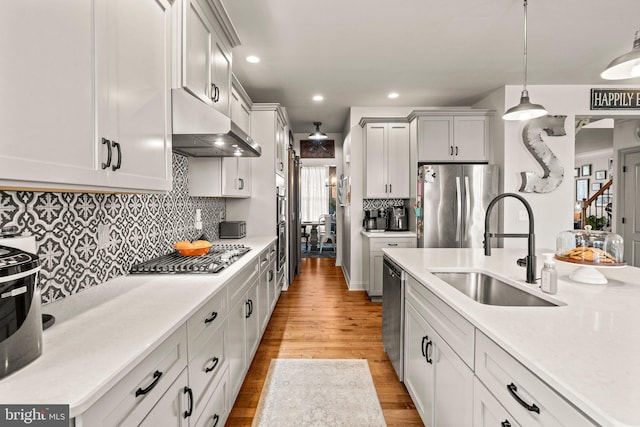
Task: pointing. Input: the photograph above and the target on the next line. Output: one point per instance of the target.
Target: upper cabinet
(453, 135)
(281, 146)
(240, 106)
(99, 118)
(207, 40)
(387, 158)
(220, 177)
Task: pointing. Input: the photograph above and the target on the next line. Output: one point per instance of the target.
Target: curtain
(314, 194)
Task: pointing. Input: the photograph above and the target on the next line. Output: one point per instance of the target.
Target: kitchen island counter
(586, 348)
(101, 333)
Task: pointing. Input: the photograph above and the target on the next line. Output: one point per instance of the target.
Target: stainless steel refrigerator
(451, 203)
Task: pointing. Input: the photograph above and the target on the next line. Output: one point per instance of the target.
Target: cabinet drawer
(264, 261)
(203, 324)
(205, 368)
(377, 244)
(237, 286)
(217, 408)
(121, 406)
(455, 329)
(497, 370)
(487, 411)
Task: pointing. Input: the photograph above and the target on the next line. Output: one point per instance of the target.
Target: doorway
(630, 204)
(318, 207)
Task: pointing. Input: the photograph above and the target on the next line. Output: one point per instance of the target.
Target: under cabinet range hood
(201, 131)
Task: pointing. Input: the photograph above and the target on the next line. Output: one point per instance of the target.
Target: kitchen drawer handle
(513, 390)
(212, 318)
(270, 275)
(117, 166)
(142, 391)
(215, 361)
(216, 418)
(426, 350)
(505, 423)
(108, 162)
(392, 244)
(188, 391)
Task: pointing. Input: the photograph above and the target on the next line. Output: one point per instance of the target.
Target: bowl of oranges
(195, 248)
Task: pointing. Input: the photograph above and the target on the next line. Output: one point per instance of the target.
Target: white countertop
(587, 349)
(374, 234)
(101, 333)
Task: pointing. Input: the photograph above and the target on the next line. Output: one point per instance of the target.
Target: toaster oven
(233, 229)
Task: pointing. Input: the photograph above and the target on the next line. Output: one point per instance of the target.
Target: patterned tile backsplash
(86, 239)
(368, 204)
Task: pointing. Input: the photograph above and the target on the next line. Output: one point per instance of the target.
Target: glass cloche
(600, 248)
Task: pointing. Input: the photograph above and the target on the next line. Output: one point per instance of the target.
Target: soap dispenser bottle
(549, 275)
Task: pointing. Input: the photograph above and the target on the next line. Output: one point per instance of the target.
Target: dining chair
(304, 236)
(327, 232)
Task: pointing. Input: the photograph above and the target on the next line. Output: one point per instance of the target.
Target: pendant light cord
(525, 45)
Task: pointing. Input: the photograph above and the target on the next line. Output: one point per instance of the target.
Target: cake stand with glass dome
(590, 250)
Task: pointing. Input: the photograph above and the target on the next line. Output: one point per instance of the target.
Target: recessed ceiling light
(318, 97)
(253, 59)
(393, 95)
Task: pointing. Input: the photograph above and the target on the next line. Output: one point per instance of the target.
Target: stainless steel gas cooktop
(218, 258)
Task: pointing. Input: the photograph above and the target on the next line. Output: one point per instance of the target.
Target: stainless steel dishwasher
(393, 314)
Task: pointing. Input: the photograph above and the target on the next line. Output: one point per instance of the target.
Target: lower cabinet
(439, 382)
(218, 407)
(373, 259)
(171, 409)
(487, 411)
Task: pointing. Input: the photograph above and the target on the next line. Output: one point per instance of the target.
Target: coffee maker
(375, 220)
(398, 220)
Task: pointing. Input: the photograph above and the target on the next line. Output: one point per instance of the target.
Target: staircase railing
(597, 215)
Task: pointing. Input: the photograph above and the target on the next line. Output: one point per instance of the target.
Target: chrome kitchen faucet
(530, 260)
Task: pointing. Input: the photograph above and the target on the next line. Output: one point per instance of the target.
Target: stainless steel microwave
(233, 229)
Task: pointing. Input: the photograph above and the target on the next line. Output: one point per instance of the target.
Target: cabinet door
(435, 139)
(47, 117)
(237, 345)
(375, 276)
(236, 176)
(205, 369)
(453, 386)
(470, 138)
(273, 291)
(376, 175)
(133, 51)
(418, 372)
(263, 291)
(198, 37)
(217, 408)
(253, 322)
(240, 112)
(281, 142)
(221, 76)
(171, 408)
(397, 153)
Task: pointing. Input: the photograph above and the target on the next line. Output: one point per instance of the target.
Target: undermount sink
(489, 290)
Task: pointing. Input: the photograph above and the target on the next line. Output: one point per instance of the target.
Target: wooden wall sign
(615, 99)
(321, 149)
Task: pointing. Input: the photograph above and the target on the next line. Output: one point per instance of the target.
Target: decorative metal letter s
(553, 174)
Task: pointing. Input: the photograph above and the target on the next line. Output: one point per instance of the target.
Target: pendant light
(317, 135)
(525, 110)
(625, 66)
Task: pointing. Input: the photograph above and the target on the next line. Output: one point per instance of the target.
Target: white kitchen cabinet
(487, 411)
(266, 288)
(440, 384)
(520, 392)
(240, 106)
(281, 146)
(387, 159)
(103, 110)
(218, 407)
(172, 407)
(206, 56)
(453, 135)
(373, 258)
(131, 399)
(220, 177)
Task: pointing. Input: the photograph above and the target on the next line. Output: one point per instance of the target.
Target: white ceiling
(432, 52)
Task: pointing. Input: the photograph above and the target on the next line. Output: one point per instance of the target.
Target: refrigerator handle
(467, 202)
(459, 210)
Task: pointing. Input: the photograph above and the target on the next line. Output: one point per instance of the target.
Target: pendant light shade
(625, 66)
(317, 135)
(525, 110)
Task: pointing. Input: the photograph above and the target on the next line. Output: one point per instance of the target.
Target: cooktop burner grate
(218, 258)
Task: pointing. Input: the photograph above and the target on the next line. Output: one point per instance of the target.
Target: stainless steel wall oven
(281, 226)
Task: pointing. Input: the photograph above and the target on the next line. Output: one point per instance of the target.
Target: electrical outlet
(522, 215)
(222, 216)
(104, 237)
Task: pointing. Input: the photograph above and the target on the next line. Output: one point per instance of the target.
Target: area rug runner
(318, 392)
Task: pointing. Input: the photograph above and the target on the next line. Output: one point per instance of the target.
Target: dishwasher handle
(392, 269)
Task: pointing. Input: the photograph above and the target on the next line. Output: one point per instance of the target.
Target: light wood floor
(318, 317)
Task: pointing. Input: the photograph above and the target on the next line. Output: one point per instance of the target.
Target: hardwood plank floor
(318, 317)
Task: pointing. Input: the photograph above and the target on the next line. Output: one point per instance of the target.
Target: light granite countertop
(587, 349)
(100, 334)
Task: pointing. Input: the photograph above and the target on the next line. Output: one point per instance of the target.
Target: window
(314, 197)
